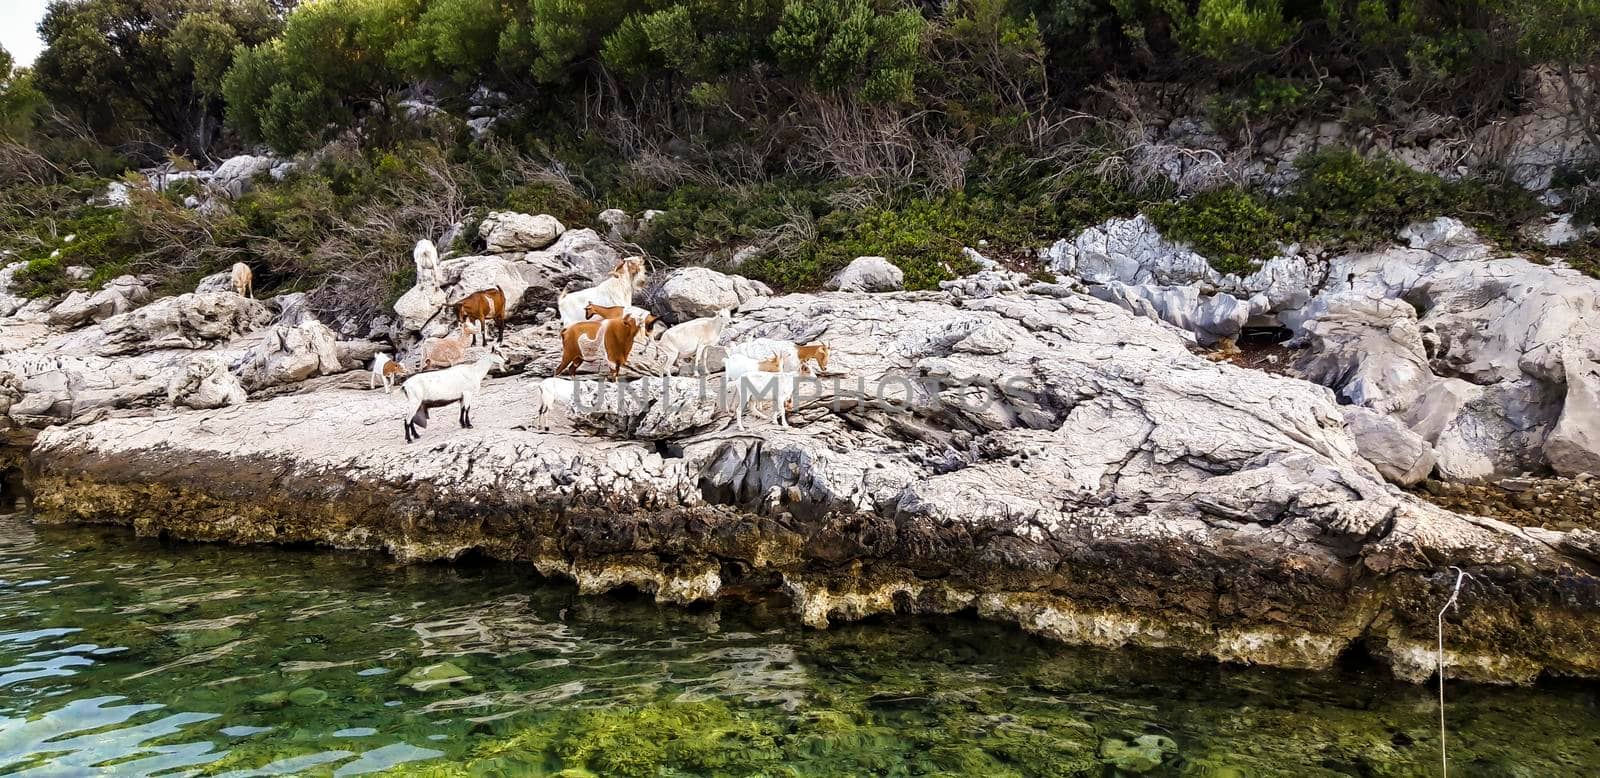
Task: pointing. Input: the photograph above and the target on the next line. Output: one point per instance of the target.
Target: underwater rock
(432, 676)
(307, 696)
(1143, 754)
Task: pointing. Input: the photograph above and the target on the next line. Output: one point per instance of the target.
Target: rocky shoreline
(1051, 460)
(1063, 456)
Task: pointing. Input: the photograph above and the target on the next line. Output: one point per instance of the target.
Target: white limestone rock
(868, 274)
(695, 292)
(1401, 456)
(189, 321)
(288, 355)
(1368, 350)
(508, 231)
(120, 295)
(234, 175)
(205, 382)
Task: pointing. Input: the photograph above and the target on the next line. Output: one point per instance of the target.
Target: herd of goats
(599, 325)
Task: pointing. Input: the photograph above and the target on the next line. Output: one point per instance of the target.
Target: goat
(244, 281)
(553, 391)
(427, 259)
(692, 337)
(433, 390)
(776, 355)
(646, 319)
(386, 370)
(756, 384)
(449, 350)
(483, 306)
(615, 336)
(626, 278)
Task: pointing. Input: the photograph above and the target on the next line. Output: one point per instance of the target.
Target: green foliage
(1231, 227)
(335, 62)
(98, 240)
(133, 69)
(565, 32)
(1230, 31)
(456, 39)
(1264, 99)
(20, 100)
(1342, 201)
(848, 44)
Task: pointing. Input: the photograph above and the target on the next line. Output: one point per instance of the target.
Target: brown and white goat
(614, 336)
(484, 306)
(449, 350)
(386, 370)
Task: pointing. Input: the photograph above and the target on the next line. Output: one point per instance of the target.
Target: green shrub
(100, 241)
(1231, 227)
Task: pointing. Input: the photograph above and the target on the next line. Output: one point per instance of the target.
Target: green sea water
(128, 656)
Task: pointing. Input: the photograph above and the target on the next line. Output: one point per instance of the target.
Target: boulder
(695, 292)
(419, 305)
(869, 274)
(619, 225)
(288, 355)
(1210, 318)
(216, 282)
(1446, 237)
(190, 321)
(205, 382)
(234, 175)
(1557, 231)
(119, 295)
(1573, 446)
(10, 302)
(508, 231)
(1401, 456)
(10, 391)
(116, 195)
(1131, 251)
(290, 309)
(1368, 350)
(985, 283)
(649, 408)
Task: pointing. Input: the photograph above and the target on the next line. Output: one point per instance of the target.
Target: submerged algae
(544, 682)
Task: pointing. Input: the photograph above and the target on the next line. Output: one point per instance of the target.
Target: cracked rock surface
(1044, 459)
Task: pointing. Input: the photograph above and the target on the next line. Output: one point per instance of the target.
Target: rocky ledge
(1048, 459)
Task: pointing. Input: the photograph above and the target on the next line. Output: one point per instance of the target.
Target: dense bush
(790, 136)
(1342, 201)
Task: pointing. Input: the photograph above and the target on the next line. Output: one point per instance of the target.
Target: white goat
(427, 259)
(559, 391)
(433, 390)
(386, 370)
(626, 278)
(692, 337)
(786, 353)
(777, 387)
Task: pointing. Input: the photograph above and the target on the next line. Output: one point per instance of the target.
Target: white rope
(1444, 758)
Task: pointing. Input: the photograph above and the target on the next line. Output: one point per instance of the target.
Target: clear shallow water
(122, 656)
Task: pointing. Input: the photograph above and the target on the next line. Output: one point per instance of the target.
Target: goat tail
(420, 418)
